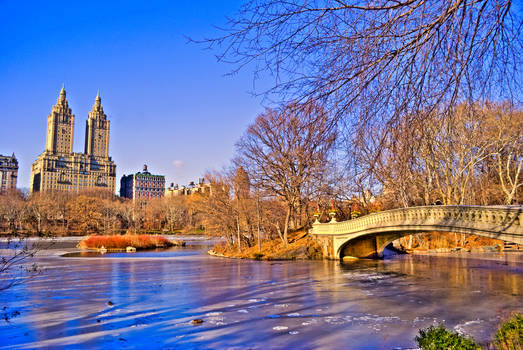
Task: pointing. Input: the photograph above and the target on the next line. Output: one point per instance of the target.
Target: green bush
(439, 338)
(510, 334)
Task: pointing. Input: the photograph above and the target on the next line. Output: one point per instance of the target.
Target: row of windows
(151, 186)
(67, 187)
(149, 195)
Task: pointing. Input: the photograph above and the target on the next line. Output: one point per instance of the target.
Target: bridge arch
(369, 235)
(372, 244)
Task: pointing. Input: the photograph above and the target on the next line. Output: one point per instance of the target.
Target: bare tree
(16, 252)
(286, 153)
(12, 205)
(175, 209)
(16, 262)
(375, 61)
(219, 211)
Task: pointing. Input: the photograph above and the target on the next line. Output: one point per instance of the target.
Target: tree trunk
(258, 217)
(286, 228)
(279, 232)
(238, 233)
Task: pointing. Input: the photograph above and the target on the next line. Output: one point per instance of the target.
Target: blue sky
(170, 104)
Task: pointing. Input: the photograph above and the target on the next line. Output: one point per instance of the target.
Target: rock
(440, 250)
(197, 321)
(491, 248)
(178, 243)
(350, 259)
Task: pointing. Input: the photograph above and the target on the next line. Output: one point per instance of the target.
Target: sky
(171, 104)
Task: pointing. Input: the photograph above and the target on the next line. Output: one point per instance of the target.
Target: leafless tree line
(62, 213)
(473, 155)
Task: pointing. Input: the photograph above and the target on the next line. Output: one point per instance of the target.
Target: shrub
(439, 338)
(121, 242)
(510, 335)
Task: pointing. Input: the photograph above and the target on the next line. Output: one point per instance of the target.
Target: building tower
(97, 131)
(60, 127)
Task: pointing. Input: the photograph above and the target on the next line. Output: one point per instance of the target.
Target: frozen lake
(252, 304)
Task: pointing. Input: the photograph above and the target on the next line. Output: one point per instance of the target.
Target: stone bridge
(369, 235)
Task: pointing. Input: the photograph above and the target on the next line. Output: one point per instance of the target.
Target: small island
(123, 242)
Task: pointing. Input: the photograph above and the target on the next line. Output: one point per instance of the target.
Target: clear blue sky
(169, 103)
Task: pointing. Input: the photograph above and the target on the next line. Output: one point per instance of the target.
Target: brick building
(142, 185)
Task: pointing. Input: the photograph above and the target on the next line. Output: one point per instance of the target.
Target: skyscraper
(59, 168)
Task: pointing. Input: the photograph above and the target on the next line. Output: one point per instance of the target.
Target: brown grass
(301, 246)
(122, 242)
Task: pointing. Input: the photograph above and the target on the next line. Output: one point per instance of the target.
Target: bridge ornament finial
(332, 214)
(316, 218)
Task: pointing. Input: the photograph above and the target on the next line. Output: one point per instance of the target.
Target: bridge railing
(494, 217)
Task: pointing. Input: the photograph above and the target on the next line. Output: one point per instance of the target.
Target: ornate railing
(484, 218)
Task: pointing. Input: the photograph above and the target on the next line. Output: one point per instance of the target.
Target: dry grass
(301, 246)
(128, 240)
(438, 240)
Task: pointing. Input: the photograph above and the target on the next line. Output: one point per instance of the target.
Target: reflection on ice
(306, 305)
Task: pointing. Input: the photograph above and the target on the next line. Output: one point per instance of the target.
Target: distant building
(8, 172)
(58, 168)
(142, 185)
(192, 188)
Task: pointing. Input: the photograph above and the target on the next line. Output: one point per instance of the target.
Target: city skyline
(169, 102)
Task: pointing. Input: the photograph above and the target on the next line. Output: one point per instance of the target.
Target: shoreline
(499, 256)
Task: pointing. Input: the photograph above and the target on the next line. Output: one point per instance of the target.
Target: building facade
(58, 168)
(201, 187)
(142, 185)
(8, 172)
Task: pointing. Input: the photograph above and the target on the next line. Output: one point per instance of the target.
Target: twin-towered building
(59, 168)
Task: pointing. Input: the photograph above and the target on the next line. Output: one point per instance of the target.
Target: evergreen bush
(510, 334)
(439, 338)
